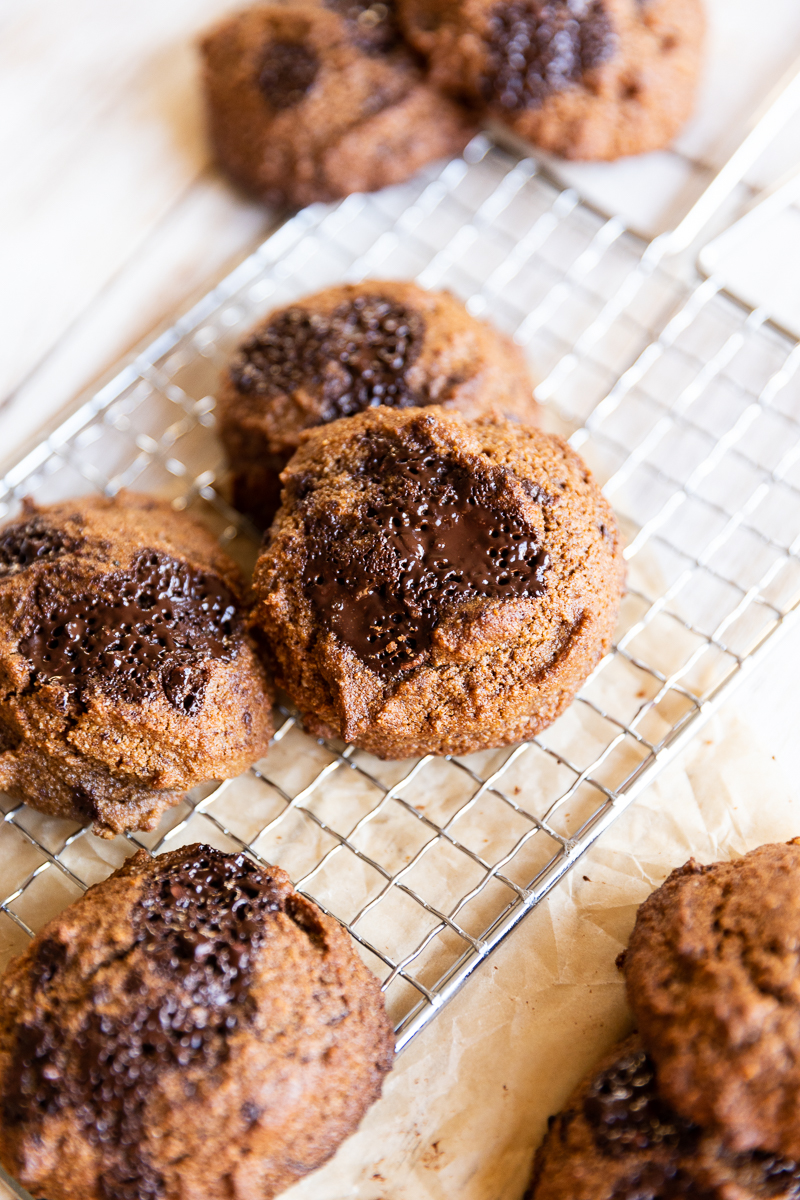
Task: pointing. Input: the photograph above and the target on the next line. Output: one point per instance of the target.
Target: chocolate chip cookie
(312, 102)
(618, 1139)
(713, 977)
(433, 585)
(190, 1027)
(129, 674)
(585, 79)
(613, 1137)
(350, 348)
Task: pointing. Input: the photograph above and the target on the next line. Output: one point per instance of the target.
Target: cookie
(129, 674)
(432, 585)
(350, 348)
(617, 1139)
(712, 977)
(192, 1026)
(585, 79)
(309, 102)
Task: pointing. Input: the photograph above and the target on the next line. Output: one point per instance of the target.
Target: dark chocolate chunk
(626, 1113)
(197, 928)
(539, 47)
(84, 803)
(152, 627)
(287, 71)
(30, 542)
(437, 537)
(358, 357)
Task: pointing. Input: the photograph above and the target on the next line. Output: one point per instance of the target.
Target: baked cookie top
(434, 581)
(191, 1026)
(713, 977)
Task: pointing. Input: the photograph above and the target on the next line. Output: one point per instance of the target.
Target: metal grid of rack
(687, 407)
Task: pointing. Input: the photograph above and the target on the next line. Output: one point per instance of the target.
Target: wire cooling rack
(686, 405)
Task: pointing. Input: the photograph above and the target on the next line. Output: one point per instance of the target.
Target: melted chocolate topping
(147, 629)
(29, 542)
(657, 1182)
(198, 926)
(288, 70)
(356, 358)
(539, 47)
(626, 1112)
(436, 537)
(373, 26)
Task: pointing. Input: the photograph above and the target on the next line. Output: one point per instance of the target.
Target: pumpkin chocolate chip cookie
(192, 1026)
(129, 673)
(311, 102)
(435, 585)
(713, 980)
